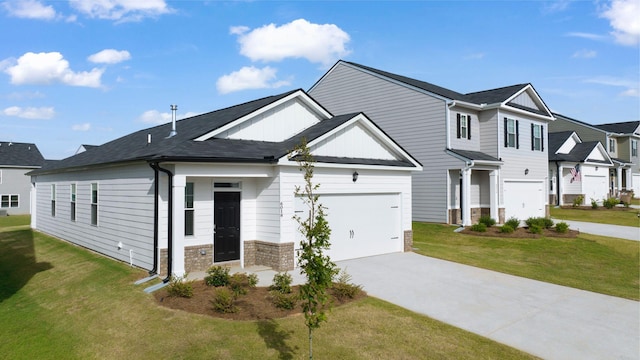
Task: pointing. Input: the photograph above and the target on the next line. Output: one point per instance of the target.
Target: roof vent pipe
(173, 132)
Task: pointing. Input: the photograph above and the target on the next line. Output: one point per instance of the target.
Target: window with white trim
(73, 202)
(9, 201)
(612, 145)
(463, 123)
(188, 209)
(537, 143)
(511, 133)
(94, 204)
(634, 147)
(53, 200)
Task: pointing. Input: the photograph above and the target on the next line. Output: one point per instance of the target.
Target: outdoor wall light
(203, 252)
(355, 176)
(596, 168)
(526, 171)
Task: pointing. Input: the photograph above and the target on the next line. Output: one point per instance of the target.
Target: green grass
(628, 217)
(14, 222)
(589, 262)
(59, 301)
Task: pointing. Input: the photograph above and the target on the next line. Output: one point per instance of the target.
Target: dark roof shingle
(20, 154)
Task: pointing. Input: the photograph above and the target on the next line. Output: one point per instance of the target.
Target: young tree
(317, 267)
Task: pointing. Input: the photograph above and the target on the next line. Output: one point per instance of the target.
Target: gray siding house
(219, 188)
(621, 142)
(16, 159)
(483, 153)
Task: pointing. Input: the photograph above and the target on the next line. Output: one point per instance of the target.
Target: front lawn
(59, 301)
(619, 216)
(14, 221)
(589, 262)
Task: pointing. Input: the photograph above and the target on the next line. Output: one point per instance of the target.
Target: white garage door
(636, 184)
(595, 187)
(361, 225)
(524, 199)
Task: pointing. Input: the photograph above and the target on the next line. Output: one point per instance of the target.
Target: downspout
(558, 184)
(448, 106)
(156, 194)
(170, 225)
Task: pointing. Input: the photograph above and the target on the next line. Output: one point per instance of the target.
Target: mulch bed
(255, 305)
(523, 233)
(599, 208)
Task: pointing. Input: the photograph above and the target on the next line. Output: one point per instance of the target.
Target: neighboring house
(218, 188)
(621, 142)
(16, 159)
(483, 153)
(85, 147)
(577, 168)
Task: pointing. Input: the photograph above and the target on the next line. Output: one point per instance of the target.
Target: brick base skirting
(455, 215)
(408, 240)
(198, 258)
(279, 257)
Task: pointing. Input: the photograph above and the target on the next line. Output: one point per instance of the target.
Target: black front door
(226, 216)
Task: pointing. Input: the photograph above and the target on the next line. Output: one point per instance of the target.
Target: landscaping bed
(521, 232)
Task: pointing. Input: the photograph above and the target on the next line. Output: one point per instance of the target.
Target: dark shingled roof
(481, 97)
(579, 153)
(182, 147)
(628, 127)
(474, 155)
(20, 154)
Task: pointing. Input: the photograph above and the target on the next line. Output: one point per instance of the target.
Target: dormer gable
(527, 99)
(275, 122)
(598, 154)
(569, 144)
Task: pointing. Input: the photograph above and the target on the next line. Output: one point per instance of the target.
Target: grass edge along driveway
(589, 262)
(626, 217)
(62, 301)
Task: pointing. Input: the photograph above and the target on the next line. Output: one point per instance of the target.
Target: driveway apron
(546, 320)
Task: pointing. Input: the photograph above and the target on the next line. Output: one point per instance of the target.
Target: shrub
(506, 229)
(281, 283)
(487, 220)
(562, 227)
(239, 283)
(283, 301)
(180, 287)
(253, 280)
(479, 227)
(577, 201)
(542, 222)
(594, 204)
(535, 229)
(223, 301)
(513, 222)
(343, 288)
(217, 276)
(610, 202)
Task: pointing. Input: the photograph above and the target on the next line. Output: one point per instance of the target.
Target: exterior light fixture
(355, 176)
(526, 171)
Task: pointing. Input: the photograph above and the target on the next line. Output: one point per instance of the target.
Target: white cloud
(121, 10)
(624, 18)
(155, 117)
(110, 56)
(631, 87)
(475, 56)
(29, 9)
(249, 77)
(44, 113)
(585, 54)
(297, 39)
(556, 6)
(586, 36)
(49, 68)
(81, 127)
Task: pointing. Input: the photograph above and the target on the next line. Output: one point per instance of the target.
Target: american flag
(575, 173)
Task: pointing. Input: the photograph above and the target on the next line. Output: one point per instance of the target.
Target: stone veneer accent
(455, 215)
(194, 260)
(567, 199)
(279, 257)
(163, 262)
(408, 240)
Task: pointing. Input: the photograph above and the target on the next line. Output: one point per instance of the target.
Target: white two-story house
(483, 153)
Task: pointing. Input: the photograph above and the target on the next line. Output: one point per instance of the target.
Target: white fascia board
(19, 167)
(528, 113)
(286, 162)
(298, 94)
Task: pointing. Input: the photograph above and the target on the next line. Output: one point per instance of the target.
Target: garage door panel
(524, 199)
(595, 187)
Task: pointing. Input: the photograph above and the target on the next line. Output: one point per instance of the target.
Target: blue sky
(89, 71)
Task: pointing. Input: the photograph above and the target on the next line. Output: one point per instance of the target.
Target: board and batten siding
(517, 160)
(340, 182)
(413, 119)
(125, 211)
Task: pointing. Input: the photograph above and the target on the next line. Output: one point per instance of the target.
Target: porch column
(465, 204)
(493, 194)
(629, 178)
(619, 181)
(560, 185)
(179, 183)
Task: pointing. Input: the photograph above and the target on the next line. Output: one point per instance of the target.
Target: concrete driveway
(622, 232)
(546, 320)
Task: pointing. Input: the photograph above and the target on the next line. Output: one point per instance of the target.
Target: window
(53, 200)
(9, 201)
(511, 133)
(634, 147)
(188, 209)
(612, 145)
(551, 180)
(94, 204)
(73, 202)
(537, 142)
(464, 126)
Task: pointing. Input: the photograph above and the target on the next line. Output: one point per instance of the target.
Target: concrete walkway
(622, 232)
